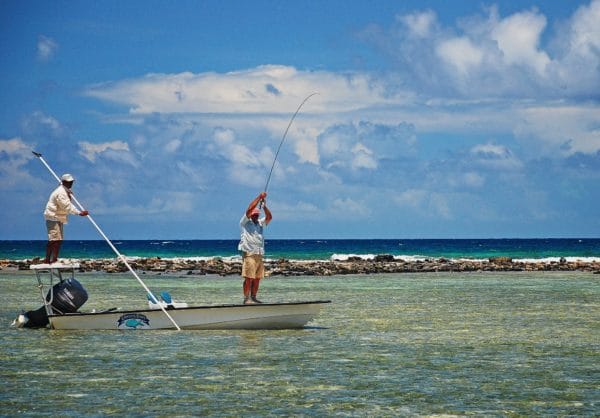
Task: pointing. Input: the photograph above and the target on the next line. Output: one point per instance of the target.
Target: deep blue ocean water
(323, 249)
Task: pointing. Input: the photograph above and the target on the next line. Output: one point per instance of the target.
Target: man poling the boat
(58, 208)
(108, 241)
(252, 246)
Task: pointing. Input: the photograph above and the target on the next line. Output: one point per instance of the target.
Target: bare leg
(49, 249)
(55, 251)
(254, 290)
(247, 289)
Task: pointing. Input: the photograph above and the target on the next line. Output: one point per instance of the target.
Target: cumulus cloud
(363, 157)
(14, 148)
(38, 124)
(518, 38)
(14, 155)
(114, 151)
(488, 76)
(420, 24)
(173, 145)
(495, 156)
(46, 48)
(558, 125)
(495, 56)
(244, 163)
(577, 52)
(461, 53)
(363, 145)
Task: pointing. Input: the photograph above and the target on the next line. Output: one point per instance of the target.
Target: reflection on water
(388, 345)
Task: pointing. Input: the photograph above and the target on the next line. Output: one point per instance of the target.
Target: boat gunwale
(256, 305)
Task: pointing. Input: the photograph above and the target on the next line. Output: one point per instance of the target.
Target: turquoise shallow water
(389, 345)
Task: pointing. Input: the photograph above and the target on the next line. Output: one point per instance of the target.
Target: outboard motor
(67, 296)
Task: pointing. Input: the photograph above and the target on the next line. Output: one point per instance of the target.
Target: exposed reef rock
(383, 263)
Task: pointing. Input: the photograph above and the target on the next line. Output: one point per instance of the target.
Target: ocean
(410, 344)
(391, 345)
(324, 249)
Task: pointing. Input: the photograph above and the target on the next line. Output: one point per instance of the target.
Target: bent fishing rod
(119, 255)
(283, 139)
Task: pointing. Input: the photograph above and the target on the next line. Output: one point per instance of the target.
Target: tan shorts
(252, 266)
(55, 230)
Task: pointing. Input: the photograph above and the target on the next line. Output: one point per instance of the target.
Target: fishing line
(283, 139)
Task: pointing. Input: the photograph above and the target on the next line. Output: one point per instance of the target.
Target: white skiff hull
(256, 316)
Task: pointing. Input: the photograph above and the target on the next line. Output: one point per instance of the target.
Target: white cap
(67, 177)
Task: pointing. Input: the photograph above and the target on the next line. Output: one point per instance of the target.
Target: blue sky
(434, 119)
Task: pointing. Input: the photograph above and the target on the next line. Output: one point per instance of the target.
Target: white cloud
(306, 148)
(460, 53)
(248, 91)
(245, 165)
(363, 158)
(115, 150)
(192, 175)
(490, 76)
(173, 145)
(14, 148)
(576, 67)
(349, 207)
(495, 157)
(518, 38)
(14, 155)
(294, 211)
(39, 124)
(557, 124)
(412, 198)
(362, 145)
(420, 24)
(492, 56)
(46, 48)
(473, 179)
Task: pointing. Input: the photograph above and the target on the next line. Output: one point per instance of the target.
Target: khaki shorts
(252, 266)
(55, 230)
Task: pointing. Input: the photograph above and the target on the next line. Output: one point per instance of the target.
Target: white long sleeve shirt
(59, 206)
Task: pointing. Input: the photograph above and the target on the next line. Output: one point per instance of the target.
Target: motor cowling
(67, 297)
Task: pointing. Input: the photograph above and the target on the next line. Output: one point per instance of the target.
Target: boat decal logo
(133, 321)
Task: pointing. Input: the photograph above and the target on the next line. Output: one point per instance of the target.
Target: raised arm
(268, 215)
(255, 203)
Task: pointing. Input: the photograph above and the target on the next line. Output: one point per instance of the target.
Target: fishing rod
(283, 139)
(119, 255)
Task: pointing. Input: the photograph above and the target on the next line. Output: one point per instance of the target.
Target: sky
(432, 119)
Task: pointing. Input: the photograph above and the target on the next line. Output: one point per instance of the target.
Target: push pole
(119, 255)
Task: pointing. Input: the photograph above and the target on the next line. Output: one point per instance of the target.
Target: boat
(62, 297)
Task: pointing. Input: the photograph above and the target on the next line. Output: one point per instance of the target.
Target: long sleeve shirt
(59, 206)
